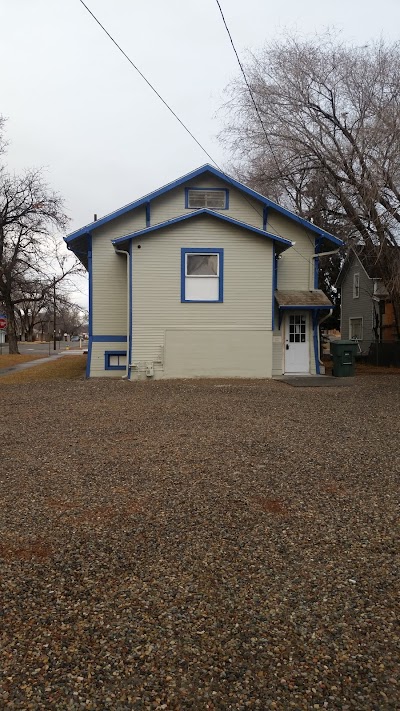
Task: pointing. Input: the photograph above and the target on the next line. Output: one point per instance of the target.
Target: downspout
(317, 349)
(129, 325)
(316, 323)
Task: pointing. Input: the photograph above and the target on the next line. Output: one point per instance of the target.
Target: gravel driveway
(199, 545)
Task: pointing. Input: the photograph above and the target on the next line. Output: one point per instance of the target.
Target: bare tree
(34, 307)
(31, 256)
(331, 113)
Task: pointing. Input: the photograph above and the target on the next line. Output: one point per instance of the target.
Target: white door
(297, 354)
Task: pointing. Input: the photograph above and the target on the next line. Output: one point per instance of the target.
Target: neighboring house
(203, 277)
(367, 313)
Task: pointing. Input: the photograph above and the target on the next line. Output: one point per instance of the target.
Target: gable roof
(281, 241)
(207, 168)
(367, 262)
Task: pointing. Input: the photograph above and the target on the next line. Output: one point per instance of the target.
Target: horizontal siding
(97, 369)
(157, 305)
(218, 353)
(241, 207)
(277, 346)
(357, 308)
(295, 267)
(110, 274)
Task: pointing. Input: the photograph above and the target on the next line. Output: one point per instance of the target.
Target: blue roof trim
(243, 225)
(190, 176)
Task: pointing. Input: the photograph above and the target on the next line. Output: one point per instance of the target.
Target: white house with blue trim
(203, 277)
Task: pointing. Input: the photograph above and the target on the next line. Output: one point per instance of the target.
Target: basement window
(115, 360)
(210, 198)
(202, 275)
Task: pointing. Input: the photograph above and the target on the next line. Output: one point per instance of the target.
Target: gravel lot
(199, 545)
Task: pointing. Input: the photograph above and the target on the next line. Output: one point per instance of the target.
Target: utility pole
(54, 314)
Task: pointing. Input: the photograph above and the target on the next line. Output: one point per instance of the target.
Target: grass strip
(65, 368)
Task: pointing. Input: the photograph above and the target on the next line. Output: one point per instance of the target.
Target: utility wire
(147, 81)
(256, 108)
(181, 122)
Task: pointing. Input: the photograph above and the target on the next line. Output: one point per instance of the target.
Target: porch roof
(315, 299)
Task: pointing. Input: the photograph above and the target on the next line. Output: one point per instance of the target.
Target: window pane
(356, 328)
(202, 265)
(215, 199)
(206, 289)
(197, 199)
(207, 198)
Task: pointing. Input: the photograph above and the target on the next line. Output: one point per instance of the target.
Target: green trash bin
(343, 358)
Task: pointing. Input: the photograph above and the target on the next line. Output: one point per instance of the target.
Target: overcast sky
(75, 106)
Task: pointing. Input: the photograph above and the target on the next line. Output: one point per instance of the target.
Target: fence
(385, 354)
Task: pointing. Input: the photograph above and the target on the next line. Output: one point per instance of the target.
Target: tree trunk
(11, 328)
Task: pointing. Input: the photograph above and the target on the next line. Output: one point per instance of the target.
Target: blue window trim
(202, 250)
(107, 355)
(148, 214)
(221, 190)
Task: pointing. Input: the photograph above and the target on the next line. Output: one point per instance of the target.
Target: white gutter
(317, 256)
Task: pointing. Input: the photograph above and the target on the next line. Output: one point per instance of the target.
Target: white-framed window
(211, 198)
(356, 286)
(202, 274)
(356, 328)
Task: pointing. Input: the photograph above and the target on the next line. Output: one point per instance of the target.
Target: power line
(257, 110)
(180, 121)
(147, 81)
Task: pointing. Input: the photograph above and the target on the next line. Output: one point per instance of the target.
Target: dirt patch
(25, 551)
(274, 506)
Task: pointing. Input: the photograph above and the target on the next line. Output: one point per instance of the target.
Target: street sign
(3, 323)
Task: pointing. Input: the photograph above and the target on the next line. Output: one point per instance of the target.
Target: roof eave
(281, 242)
(190, 176)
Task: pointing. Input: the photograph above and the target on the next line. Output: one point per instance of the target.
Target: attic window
(211, 198)
(356, 286)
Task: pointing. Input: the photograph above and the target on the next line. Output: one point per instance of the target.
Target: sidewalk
(39, 361)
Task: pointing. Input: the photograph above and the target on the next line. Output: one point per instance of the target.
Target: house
(203, 277)
(367, 313)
